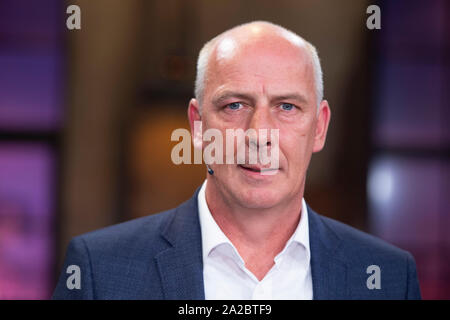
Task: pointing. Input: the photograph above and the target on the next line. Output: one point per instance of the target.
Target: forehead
(265, 61)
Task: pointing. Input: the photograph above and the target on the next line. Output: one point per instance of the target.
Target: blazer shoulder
(359, 251)
(128, 235)
(114, 261)
(359, 243)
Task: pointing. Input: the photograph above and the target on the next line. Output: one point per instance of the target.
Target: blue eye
(234, 105)
(287, 106)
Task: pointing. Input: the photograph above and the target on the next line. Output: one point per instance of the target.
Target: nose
(260, 124)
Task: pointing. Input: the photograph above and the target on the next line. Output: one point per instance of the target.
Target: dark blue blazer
(160, 257)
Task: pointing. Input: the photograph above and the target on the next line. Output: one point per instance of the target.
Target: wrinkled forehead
(276, 55)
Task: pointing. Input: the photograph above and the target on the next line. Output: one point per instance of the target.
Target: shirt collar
(213, 236)
(300, 235)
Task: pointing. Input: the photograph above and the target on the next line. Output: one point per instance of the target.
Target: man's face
(267, 84)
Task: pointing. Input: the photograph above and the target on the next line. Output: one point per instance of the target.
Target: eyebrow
(290, 96)
(220, 99)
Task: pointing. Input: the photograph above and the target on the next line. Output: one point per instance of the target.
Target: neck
(254, 229)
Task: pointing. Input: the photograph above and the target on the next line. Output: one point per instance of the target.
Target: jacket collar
(180, 266)
(329, 272)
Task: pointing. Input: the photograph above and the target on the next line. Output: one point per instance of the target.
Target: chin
(259, 198)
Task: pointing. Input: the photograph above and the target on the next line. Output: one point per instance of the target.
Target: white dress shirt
(226, 277)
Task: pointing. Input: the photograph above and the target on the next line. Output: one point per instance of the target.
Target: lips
(255, 168)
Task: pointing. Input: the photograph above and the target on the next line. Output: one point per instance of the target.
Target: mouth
(256, 169)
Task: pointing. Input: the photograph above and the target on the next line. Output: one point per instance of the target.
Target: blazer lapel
(329, 273)
(181, 265)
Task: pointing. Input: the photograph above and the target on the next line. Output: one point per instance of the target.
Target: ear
(322, 122)
(195, 123)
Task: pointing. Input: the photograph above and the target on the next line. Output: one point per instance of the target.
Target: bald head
(253, 36)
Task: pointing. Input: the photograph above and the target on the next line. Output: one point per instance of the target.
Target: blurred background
(86, 118)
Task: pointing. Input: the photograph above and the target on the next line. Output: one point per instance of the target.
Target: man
(245, 234)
